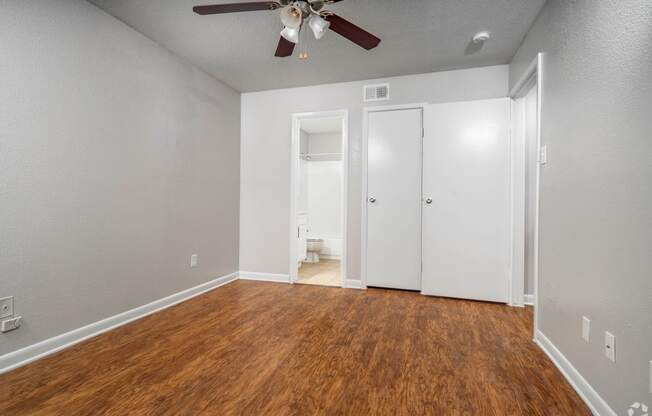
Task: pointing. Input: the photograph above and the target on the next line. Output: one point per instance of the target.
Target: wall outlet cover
(11, 324)
(6, 306)
(194, 260)
(610, 346)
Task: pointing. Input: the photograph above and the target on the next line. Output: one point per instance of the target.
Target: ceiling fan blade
(284, 48)
(352, 32)
(236, 7)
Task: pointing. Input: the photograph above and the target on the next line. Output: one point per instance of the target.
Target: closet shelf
(321, 156)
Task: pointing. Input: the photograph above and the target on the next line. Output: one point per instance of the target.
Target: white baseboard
(49, 346)
(352, 284)
(528, 300)
(592, 399)
(265, 277)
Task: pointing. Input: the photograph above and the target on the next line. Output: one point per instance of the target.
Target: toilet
(314, 248)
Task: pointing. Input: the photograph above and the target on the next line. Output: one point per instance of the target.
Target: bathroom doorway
(319, 198)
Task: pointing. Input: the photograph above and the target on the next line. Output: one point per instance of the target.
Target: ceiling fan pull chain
(303, 45)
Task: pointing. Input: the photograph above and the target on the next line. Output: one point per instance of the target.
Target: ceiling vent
(377, 92)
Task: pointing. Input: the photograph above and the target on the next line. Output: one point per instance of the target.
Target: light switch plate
(6, 306)
(543, 155)
(194, 260)
(586, 328)
(610, 346)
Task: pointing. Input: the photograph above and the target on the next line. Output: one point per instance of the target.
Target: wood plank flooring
(255, 348)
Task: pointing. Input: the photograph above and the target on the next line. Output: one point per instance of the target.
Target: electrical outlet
(610, 346)
(194, 261)
(6, 306)
(586, 328)
(11, 324)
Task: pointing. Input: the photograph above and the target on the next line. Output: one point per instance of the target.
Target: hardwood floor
(254, 348)
(324, 273)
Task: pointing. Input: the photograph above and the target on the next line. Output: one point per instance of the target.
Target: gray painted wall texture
(596, 189)
(117, 162)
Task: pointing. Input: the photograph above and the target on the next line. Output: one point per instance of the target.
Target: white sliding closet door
(394, 199)
(466, 225)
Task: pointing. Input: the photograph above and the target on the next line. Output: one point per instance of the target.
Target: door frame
(294, 176)
(531, 78)
(364, 171)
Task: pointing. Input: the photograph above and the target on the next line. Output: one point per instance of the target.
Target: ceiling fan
(294, 13)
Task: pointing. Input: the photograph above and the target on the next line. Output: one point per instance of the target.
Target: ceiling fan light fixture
(291, 34)
(293, 14)
(318, 26)
(291, 17)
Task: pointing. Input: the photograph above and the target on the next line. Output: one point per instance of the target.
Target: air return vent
(377, 92)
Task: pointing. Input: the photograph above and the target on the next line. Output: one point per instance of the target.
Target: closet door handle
(372, 199)
(428, 201)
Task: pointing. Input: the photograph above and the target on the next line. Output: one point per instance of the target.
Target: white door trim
(532, 75)
(294, 174)
(364, 149)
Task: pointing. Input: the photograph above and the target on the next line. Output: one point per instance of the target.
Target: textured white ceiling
(418, 36)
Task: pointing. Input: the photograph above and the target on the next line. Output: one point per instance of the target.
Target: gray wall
(596, 190)
(117, 162)
(265, 152)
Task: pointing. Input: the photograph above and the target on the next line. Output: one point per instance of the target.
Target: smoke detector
(481, 37)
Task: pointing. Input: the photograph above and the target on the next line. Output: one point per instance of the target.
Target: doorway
(392, 206)
(319, 198)
(528, 157)
(530, 147)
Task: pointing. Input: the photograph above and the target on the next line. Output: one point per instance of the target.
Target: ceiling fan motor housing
(317, 5)
(303, 6)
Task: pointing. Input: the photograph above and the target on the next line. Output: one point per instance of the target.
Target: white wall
(325, 142)
(325, 199)
(596, 189)
(117, 162)
(265, 147)
(320, 189)
(324, 178)
(302, 196)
